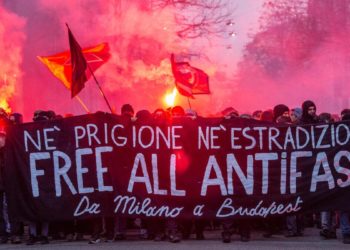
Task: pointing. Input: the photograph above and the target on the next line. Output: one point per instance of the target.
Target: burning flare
(4, 105)
(7, 88)
(169, 98)
(12, 39)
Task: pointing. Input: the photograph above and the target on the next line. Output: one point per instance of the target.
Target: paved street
(311, 240)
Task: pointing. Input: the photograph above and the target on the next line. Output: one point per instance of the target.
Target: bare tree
(279, 12)
(287, 37)
(199, 18)
(293, 35)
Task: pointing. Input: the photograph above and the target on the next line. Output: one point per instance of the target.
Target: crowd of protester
(115, 229)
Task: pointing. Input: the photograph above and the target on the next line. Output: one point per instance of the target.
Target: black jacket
(2, 166)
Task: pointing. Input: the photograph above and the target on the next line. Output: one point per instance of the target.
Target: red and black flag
(189, 80)
(61, 64)
(79, 65)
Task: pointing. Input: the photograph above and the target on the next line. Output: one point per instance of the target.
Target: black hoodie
(306, 118)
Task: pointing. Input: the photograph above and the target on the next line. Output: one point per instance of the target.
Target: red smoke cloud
(138, 72)
(11, 42)
(140, 41)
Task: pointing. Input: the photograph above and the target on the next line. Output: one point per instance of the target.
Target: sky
(139, 70)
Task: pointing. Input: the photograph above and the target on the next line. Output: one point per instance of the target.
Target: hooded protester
(345, 115)
(344, 216)
(143, 115)
(325, 118)
(292, 221)
(127, 113)
(267, 116)
(177, 111)
(15, 226)
(39, 115)
(280, 110)
(3, 233)
(161, 117)
(309, 113)
(328, 218)
(120, 223)
(16, 118)
(308, 117)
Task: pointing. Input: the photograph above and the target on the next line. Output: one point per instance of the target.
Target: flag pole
(99, 87)
(82, 104)
(189, 104)
(71, 37)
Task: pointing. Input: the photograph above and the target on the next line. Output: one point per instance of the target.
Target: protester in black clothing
(172, 225)
(344, 215)
(16, 227)
(102, 227)
(242, 228)
(144, 116)
(3, 233)
(120, 222)
(274, 225)
(309, 113)
(280, 110)
(39, 115)
(267, 116)
(309, 116)
(325, 118)
(345, 115)
(328, 218)
(293, 223)
(16, 118)
(127, 111)
(295, 115)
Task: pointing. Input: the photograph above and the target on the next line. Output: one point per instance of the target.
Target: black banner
(101, 165)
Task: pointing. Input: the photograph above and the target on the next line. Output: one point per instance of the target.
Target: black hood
(306, 118)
